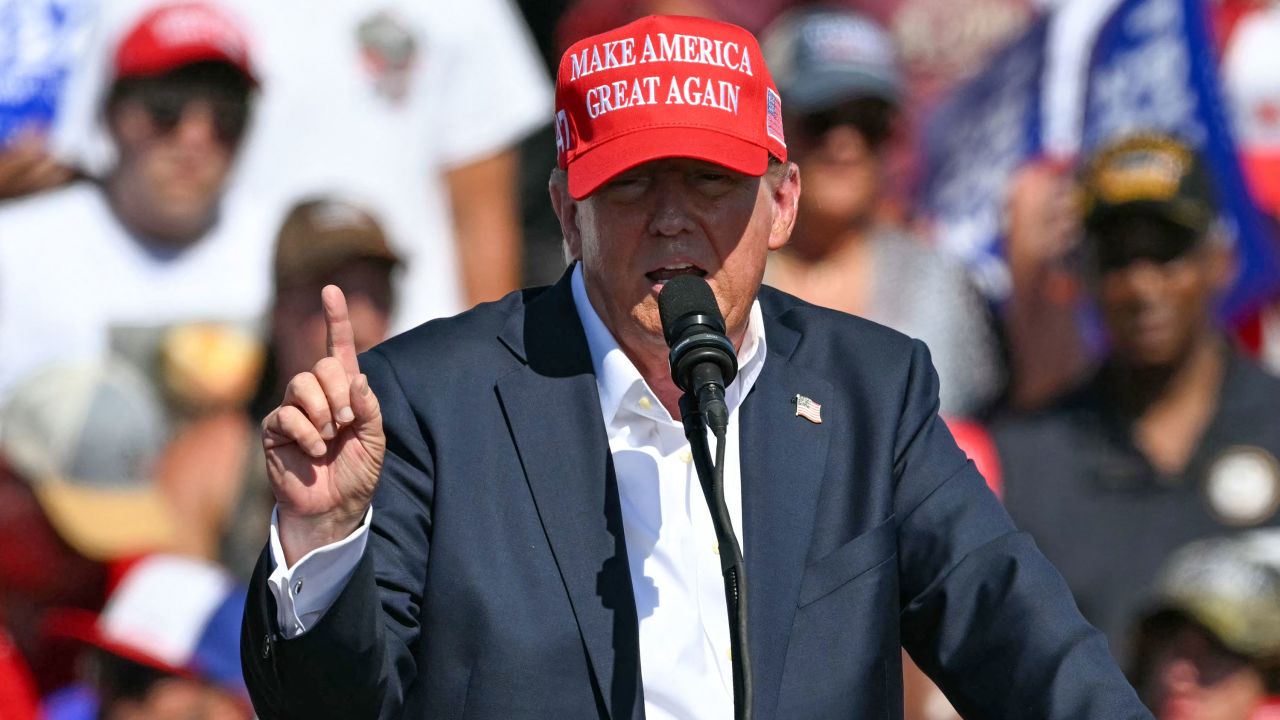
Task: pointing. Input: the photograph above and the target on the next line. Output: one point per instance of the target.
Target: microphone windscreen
(681, 296)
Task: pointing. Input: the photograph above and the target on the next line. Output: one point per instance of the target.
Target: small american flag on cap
(808, 409)
(773, 116)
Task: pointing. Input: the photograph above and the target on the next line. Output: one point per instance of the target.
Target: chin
(1148, 359)
(645, 319)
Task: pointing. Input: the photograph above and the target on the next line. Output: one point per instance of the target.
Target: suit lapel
(783, 461)
(553, 410)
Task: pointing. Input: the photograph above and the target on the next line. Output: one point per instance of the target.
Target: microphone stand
(711, 477)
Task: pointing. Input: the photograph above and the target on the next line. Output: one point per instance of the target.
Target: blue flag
(39, 40)
(973, 143)
(1152, 68)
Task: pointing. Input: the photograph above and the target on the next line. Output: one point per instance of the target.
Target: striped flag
(808, 409)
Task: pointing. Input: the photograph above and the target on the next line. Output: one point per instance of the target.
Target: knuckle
(301, 380)
(328, 366)
(285, 417)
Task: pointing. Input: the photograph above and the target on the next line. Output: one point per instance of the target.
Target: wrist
(300, 534)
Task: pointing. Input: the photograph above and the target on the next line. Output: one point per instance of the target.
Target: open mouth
(666, 272)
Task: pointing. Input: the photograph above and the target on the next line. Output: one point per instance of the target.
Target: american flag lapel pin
(808, 409)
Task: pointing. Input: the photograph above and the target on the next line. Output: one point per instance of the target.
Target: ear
(566, 209)
(784, 187)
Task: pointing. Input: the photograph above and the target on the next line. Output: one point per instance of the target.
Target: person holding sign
(496, 515)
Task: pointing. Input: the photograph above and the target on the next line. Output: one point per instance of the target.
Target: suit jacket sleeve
(983, 611)
(357, 661)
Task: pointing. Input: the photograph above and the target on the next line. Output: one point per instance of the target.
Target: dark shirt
(1108, 519)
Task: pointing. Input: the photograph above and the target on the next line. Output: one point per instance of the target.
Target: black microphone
(703, 361)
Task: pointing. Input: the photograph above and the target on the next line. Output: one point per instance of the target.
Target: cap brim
(189, 55)
(1183, 216)
(82, 626)
(1233, 625)
(594, 168)
(106, 524)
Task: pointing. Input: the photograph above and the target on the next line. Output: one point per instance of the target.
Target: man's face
(1193, 677)
(840, 150)
(673, 217)
(298, 328)
(177, 136)
(1155, 290)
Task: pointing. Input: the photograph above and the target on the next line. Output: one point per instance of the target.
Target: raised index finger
(341, 339)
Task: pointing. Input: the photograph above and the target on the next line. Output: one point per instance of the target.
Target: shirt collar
(619, 381)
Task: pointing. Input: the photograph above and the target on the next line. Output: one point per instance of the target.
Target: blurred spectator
(841, 89)
(1208, 647)
(322, 242)
(1175, 437)
(151, 263)
(327, 242)
(78, 444)
(39, 40)
(413, 109)
(165, 646)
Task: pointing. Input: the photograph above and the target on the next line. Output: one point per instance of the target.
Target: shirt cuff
(305, 591)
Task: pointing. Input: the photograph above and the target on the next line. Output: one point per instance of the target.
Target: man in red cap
(496, 515)
(112, 264)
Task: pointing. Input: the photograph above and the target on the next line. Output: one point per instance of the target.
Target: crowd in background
(179, 179)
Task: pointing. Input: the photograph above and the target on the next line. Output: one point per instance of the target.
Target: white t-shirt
(371, 99)
(75, 285)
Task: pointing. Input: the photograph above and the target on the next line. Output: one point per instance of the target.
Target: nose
(672, 211)
(1144, 278)
(197, 125)
(844, 144)
(1180, 676)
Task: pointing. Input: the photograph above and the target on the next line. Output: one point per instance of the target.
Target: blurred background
(1075, 203)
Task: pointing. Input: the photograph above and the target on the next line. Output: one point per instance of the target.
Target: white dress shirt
(685, 656)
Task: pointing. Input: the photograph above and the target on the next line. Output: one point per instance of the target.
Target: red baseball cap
(662, 87)
(179, 34)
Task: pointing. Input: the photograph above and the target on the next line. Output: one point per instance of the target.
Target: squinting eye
(715, 183)
(627, 186)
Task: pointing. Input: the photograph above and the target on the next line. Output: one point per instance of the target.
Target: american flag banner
(808, 409)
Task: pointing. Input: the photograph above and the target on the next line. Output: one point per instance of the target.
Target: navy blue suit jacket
(495, 582)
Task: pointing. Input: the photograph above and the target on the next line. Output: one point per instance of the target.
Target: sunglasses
(871, 117)
(167, 103)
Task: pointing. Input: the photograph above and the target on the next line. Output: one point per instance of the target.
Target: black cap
(1148, 174)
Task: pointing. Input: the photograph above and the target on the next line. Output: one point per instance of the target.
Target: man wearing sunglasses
(842, 91)
(119, 262)
(1175, 437)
